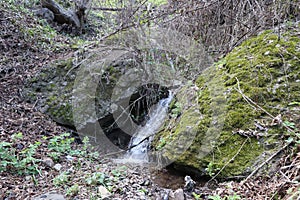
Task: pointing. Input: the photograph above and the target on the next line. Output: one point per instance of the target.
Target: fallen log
(61, 15)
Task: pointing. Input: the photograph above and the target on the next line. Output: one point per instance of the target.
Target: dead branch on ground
(63, 16)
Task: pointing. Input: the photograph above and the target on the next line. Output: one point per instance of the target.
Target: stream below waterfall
(139, 150)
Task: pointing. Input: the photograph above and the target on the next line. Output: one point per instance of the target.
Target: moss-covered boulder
(107, 85)
(235, 119)
(55, 87)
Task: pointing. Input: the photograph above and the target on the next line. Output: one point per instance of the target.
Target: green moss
(158, 2)
(59, 110)
(63, 65)
(263, 70)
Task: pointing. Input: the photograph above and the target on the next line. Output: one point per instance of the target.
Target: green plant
(86, 143)
(233, 197)
(28, 164)
(6, 155)
(211, 169)
(227, 197)
(294, 135)
(158, 2)
(119, 172)
(86, 150)
(73, 190)
(61, 143)
(22, 162)
(176, 110)
(294, 103)
(17, 136)
(143, 190)
(196, 196)
(54, 155)
(216, 197)
(96, 179)
(61, 179)
(289, 124)
(161, 143)
(35, 181)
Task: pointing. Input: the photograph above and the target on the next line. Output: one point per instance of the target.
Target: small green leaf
(289, 140)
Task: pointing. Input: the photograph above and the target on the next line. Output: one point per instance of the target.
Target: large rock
(223, 120)
(106, 86)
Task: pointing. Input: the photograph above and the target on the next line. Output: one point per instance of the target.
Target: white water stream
(140, 141)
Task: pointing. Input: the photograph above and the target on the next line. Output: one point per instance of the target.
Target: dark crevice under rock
(139, 107)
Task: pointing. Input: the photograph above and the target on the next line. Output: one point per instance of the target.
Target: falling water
(140, 141)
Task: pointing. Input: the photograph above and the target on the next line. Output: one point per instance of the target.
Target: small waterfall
(140, 141)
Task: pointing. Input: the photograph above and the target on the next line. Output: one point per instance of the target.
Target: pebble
(70, 158)
(48, 162)
(146, 182)
(189, 184)
(105, 194)
(57, 167)
(50, 196)
(178, 194)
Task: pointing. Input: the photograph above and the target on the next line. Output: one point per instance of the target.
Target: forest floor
(40, 159)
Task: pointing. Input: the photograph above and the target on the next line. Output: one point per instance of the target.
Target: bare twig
(250, 101)
(277, 152)
(107, 9)
(232, 159)
(77, 65)
(264, 163)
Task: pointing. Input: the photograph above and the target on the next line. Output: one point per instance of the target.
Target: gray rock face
(56, 87)
(109, 95)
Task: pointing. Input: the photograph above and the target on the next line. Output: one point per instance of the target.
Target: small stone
(57, 167)
(178, 194)
(48, 161)
(189, 184)
(135, 185)
(166, 196)
(28, 178)
(267, 53)
(171, 195)
(70, 158)
(50, 196)
(146, 182)
(20, 146)
(105, 194)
